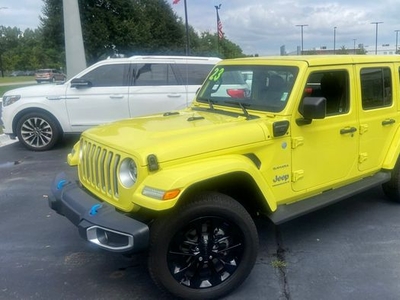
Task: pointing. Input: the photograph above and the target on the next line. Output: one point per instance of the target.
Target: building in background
(383, 49)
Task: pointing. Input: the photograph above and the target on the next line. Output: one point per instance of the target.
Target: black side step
(288, 212)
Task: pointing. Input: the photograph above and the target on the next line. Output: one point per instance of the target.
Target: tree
(342, 50)
(209, 44)
(310, 52)
(361, 50)
(52, 34)
(117, 26)
(127, 27)
(229, 49)
(19, 50)
(109, 27)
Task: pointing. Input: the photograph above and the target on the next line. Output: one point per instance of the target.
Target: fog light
(109, 239)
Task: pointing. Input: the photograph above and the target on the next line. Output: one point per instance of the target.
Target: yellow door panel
(378, 114)
(325, 151)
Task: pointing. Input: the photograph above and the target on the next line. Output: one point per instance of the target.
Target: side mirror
(312, 108)
(80, 83)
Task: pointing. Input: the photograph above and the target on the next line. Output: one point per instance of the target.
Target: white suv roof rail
(144, 57)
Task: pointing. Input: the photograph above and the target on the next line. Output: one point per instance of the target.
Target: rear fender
(393, 153)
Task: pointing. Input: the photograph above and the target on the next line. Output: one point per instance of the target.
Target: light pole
(334, 40)
(397, 38)
(302, 25)
(376, 36)
(1, 61)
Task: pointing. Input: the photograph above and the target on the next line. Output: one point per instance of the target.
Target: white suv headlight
(8, 100)
(128, 172)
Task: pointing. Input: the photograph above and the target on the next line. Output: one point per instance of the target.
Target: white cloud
(22, 13)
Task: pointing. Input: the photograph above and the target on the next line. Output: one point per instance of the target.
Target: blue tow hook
(94, 210)
(61, 184)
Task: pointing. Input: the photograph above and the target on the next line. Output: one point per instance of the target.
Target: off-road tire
(392, 187)
(224, 251)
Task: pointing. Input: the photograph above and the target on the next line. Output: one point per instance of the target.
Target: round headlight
(128, 172)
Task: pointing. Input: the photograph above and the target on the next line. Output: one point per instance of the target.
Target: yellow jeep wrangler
(275, 137)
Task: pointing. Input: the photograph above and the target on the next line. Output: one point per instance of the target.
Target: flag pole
(187, 30)
(218, 7)
(186, 26)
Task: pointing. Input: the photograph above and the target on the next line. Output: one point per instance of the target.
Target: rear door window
(376, 87)
(192, 74)
(153, 74)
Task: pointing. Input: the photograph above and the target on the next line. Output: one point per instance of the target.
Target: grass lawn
(14, 83)
(4, 80)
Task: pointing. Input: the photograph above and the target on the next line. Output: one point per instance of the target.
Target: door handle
(388, 122)
(174, 95)
(116, 96)
(348, 130)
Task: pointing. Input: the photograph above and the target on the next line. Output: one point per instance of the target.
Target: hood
(37, 89)
(178, 136)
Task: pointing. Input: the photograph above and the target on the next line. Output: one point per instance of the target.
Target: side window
(107, 75)
(193, 74)
(333, 86)
(376, 87)
(154, 74)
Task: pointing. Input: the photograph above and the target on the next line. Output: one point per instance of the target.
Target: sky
(262, 27)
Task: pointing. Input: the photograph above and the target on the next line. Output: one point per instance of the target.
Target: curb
(5, 140)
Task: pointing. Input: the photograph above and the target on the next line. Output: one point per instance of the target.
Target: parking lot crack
(281, 264)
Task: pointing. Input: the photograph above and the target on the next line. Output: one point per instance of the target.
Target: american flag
(219, 26)
(175, 1)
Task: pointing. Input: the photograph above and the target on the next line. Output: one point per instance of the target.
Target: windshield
(264, 88)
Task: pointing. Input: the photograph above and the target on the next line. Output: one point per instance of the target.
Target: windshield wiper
(211, 102)
(242, 106)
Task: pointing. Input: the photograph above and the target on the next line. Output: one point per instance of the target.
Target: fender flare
(186, 175)
(28, 110)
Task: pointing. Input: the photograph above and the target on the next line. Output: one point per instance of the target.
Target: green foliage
(361, 51)
(17, 49)
(342, 50)
(129, 27)
(279, 264)
(310, 52)
(51, 38)
(230, 50)
(210, 45)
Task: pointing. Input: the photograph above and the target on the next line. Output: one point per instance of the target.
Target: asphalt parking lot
(347, 251)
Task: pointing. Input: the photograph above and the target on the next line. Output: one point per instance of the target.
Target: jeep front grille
(98, 169)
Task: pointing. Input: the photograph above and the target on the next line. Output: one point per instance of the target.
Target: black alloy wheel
(205, 250)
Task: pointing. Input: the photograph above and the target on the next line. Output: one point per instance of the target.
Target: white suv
(109, 90)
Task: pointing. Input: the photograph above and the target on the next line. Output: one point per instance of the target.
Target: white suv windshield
(264, 88)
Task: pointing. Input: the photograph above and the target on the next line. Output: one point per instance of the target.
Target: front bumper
(97, 222)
